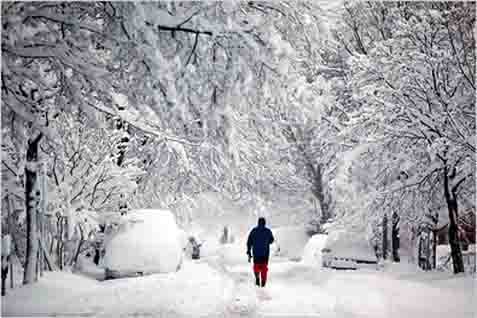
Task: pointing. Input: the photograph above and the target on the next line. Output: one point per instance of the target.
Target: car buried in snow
(147, 242)
(345, 254)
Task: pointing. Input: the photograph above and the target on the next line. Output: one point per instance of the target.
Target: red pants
(262, 269)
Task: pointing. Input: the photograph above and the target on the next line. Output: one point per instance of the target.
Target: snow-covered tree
(411, 72)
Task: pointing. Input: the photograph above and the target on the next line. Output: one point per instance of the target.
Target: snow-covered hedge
(148, 241)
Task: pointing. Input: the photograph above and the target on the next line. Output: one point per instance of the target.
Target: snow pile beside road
(87, 267)
(197, 290)
(312, 253)
(290, 241)
(234, 253)
(54, 293)
(148, 241)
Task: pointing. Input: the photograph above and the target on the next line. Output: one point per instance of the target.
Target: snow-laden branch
(162, 27)
(62, 18)
(144, 127)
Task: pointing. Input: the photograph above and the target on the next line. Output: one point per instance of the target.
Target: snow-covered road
(210, 288)
(296, 290)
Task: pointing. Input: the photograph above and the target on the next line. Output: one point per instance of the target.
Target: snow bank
(209, 248)
(147, 241)
(312, 253)
(197, 290)
(235, 253)
(88, 268)
(55, 292)
(290, 241)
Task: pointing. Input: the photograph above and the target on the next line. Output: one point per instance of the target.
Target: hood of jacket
(261, 222)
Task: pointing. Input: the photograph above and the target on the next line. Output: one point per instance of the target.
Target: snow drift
(197, 290)
(312, 254)
(290, 241)
(148, 241)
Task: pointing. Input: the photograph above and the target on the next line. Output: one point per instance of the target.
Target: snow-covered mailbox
(148, 241)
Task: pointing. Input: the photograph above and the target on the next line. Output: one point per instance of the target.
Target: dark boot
(264, 281)
(257, 279)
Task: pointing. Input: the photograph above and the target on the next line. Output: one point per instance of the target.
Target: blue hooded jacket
(259, 241)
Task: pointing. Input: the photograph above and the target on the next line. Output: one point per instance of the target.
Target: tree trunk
(50, 265)
(5, 266)
(40, 254)
(395, 237)
(12, 285)
(434, 249)
(413, 244)
(74, 259)
(9, 207)
(318, 191)
(428, 251)
(419, 254)
(435, 224)
(60, 242)
(456, 252)
(385, 236)
(31, 201)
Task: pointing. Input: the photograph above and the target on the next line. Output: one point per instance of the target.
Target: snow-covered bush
(148, 241)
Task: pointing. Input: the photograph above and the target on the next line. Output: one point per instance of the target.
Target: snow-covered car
(347, 250)
(148, 241)
(343, 263)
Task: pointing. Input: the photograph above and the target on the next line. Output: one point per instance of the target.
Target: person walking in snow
(258, 247)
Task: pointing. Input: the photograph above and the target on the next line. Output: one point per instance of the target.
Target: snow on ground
(222, 285)
(291, 240)
(297, 290)
(312, 251)
(197, 290)
(86, 267)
